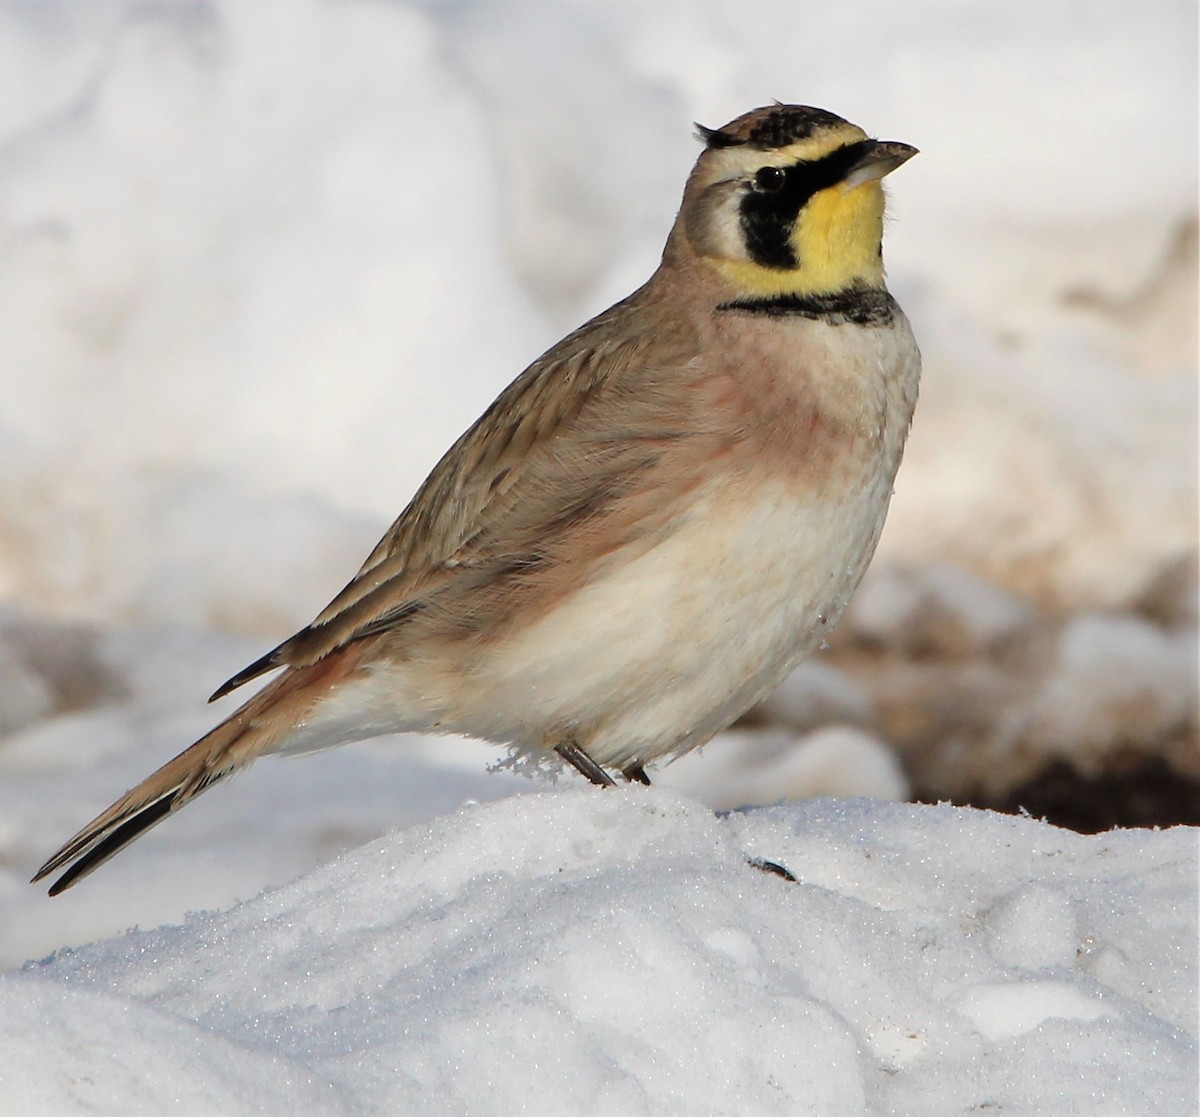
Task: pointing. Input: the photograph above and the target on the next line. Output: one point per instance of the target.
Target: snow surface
(260, 262)
(578, 952)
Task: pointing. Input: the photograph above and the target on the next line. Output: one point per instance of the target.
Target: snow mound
(576, 952)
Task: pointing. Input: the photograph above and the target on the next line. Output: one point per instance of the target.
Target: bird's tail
(258, 727)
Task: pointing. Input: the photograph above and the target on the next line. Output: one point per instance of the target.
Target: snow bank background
(261, 262)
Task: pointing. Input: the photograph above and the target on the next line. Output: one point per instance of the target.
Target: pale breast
(659, 652)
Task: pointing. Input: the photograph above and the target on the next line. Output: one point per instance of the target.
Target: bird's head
(786, 200)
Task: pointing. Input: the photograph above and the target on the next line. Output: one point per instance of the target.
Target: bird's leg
(584, 764)
(636, 773)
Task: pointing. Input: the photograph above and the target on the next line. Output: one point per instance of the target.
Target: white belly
(670, 647)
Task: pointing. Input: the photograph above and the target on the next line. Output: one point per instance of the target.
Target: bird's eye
(769, 179)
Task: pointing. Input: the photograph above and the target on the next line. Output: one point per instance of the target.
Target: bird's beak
(880, 158)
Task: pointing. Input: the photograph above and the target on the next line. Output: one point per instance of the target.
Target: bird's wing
(553, 467)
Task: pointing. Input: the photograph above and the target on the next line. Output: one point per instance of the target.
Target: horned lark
(651, 525)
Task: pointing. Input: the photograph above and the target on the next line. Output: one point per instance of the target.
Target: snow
(980, 690)
(937, 607)
(260, 262)
(749, 767)
(1118, 680)
(571, 951)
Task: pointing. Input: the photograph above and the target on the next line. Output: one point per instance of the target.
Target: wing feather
(502, 503)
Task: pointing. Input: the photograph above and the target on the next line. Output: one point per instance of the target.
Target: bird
(649, 528)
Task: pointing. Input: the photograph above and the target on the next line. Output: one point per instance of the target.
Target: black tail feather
(116, 841)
